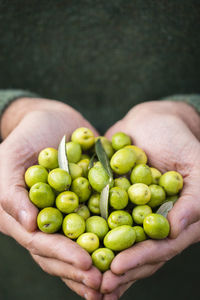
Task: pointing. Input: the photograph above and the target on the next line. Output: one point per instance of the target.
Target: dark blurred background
(102, 57)
(22, 279)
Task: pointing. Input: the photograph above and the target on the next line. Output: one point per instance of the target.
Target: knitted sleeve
(8, 96)
(192, 99)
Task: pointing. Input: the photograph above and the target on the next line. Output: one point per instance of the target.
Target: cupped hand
(169, 133)
(37, 128)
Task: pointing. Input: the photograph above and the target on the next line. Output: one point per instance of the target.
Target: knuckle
(30, 245)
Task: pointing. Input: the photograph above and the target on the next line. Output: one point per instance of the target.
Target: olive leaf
(62, 155)
(165, 208)
(103, 158)
(104, 202)
(91, 161)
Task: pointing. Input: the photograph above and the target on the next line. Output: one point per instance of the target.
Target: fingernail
(23, 217)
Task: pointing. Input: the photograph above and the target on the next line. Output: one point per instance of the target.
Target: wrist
(24, 106)
(181, 110)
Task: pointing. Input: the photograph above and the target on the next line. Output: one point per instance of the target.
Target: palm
(170, 145)
(18, 215)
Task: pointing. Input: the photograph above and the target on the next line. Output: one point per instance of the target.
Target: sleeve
(192, 99)
(10, 95)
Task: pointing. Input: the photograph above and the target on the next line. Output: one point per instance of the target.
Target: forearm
(18, 109)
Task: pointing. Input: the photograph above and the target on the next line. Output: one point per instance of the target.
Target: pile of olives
(101, 193)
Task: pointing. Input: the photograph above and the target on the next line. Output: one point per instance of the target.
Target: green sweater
(101, 57)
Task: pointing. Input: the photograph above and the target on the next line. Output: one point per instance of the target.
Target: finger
(154, 251)
(124, 288)
(82, 290)
(111, 281)
(118, 292)
(14, 196)
(59, 247)
(187, 209)
(17, 204)
(90, 278)
(47, 245)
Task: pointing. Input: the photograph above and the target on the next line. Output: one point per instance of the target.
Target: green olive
(88, 241)
(120, 140)
(35, 174)
(140, 212)
(84, 137)
(84, 156)
(102, 258)
(73, 225)
(120, 238)
(107, 145)
(98, 177)
(156, 174)
(118, 198)
(172, 182)
(84, 164)
(123, 161)
(48, 158)
(156, 226)
(49, 220)
(118, 218)
(81, 187)
(75, 171)
(59, 180)
(140, 234)
(94, 204)
(139, 193)
(97, 225)
(122, 182)
(42, 195)
(83, 211)
(141, 174)
(73, 151)
(157, 195)
(141, 157)
(67, 202)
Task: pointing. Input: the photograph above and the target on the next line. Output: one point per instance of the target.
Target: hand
(39, 124)
(168, 132)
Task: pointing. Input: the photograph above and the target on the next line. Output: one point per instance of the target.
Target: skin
(183, 128)
(20, 123)
(147, 257)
